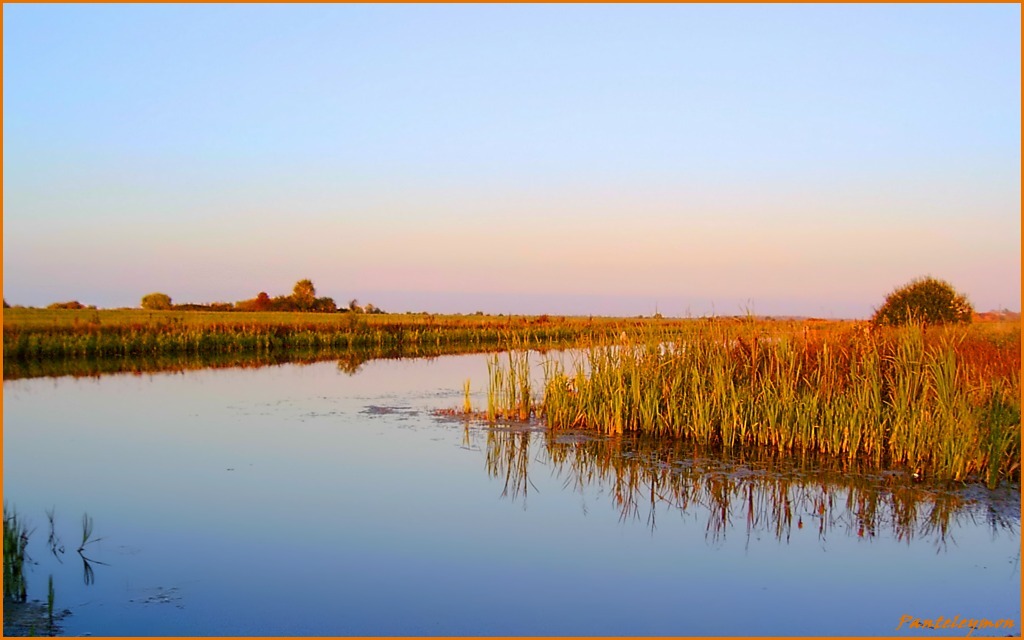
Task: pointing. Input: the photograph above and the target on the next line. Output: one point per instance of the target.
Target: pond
(315, 499)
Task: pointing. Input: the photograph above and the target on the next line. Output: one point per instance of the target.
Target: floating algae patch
(158, 596)
(398, 412)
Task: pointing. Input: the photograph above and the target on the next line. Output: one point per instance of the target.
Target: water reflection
(753, 492)
(88, 573)
(508, 457)
(393, 528)
(349, 361)
(55, 544)
(24, 617)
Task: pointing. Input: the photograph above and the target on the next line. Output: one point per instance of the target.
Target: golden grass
(941, 401)
(43, 334)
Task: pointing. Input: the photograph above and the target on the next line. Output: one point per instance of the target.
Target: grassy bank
(40, 335)
(939, 402)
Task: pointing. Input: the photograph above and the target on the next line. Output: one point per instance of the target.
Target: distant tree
(282, 303)
(73, 304)
(6, 306)
(156, 301)
(353, 306)
(262, 302)
(371, 308)
(304, 295)
(209, 306)
(927, 300)
(324, 305)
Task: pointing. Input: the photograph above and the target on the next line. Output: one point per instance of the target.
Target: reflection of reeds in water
(23, 617)
(935, 404)
(508, 458)
(349, 361)
(760, 489)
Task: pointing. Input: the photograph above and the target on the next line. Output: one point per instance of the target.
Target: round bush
(156, 301)
(927, 300)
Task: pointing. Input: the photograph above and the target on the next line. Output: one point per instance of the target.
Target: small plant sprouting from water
(87, 532)
(35, 617)
(467, 405)
(50, 599)
(88, 573)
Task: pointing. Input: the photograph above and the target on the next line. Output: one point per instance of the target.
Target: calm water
(304, 500)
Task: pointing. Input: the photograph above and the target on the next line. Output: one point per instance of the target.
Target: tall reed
(509, 393)
(16, 535)
(908, 398)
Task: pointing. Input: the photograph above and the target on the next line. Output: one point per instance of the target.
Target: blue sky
(584, 159)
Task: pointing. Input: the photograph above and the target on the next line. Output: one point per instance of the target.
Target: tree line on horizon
(302, 298)
(925, 300)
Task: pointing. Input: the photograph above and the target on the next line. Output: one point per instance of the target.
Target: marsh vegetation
(941, 402)
(32, 335)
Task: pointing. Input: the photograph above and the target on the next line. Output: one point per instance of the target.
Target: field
(40, 334)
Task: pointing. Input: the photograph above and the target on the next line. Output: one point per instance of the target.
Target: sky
(564, 159)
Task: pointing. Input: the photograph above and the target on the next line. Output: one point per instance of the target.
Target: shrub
(74, 304)
(325, 305)
(262, 302)
(927, 300)
(156, 301)
(282, 303)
